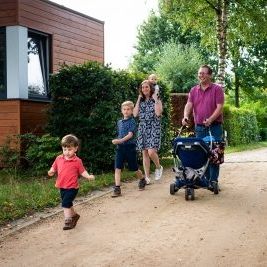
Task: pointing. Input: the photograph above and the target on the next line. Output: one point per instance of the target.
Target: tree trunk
(237, 87)
(221, 12)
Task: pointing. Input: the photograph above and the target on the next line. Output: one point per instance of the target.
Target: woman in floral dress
(148, 108)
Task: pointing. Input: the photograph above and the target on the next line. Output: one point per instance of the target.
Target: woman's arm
(137, 106)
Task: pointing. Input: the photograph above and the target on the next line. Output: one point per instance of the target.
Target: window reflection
(37, 65)
(2, 63)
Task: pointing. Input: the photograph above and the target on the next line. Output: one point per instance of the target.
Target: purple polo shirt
(205, 102)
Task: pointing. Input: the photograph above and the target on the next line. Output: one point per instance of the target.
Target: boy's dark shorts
(126, 153)
(67, 196)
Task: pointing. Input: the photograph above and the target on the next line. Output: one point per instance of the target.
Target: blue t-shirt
(124, 127)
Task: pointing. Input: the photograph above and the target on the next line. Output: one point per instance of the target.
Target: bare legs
(147, 155)
(138, 174)
(69, 212)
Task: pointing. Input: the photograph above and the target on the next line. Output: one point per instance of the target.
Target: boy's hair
(70, 140)
(128, 104)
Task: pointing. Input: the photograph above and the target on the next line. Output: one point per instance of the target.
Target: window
(38, 64)
(2, 63)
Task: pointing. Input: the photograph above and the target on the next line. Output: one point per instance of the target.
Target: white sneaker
(158, 173)
(147, 180)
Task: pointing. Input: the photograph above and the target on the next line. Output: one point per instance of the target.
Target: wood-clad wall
(8, 12)
(33, 117)
(20, 117)
(9, 119)
(76, 38)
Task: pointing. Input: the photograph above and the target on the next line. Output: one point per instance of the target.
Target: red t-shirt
(205, 102)
(68, 171)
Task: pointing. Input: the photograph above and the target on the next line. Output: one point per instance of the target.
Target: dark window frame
(45, 61)
(3, 94)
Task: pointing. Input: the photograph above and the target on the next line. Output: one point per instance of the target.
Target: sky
(122, 18)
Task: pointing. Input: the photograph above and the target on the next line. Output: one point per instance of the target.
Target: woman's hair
(152, 89)
(70, 140)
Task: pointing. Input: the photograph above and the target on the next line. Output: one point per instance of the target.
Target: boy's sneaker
(116, 192)
(158, 173)
(75, 219)
(68, 224)
(147, 181)
(142, 184)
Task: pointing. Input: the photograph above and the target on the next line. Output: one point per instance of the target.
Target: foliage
(241, 31)
(9, 153)
(241, 126)
(153, 34)
(20, 197)
(178, 66)
(42, 151)
(86, 102)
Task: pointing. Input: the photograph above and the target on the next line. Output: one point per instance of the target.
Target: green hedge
(241, 126)
(86, 101)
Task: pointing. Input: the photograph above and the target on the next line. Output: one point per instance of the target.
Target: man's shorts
(126, 153)
(67, 196)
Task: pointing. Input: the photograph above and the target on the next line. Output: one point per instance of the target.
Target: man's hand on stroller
(207, 122)
(185, 121)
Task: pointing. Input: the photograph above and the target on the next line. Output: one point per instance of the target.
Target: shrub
(178, 66)
(86, 101)
(241, 126)
(42, 151)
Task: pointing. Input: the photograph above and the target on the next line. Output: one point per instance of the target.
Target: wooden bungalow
(36, 37)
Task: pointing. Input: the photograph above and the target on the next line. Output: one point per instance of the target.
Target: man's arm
(187, 111)
(218, 111)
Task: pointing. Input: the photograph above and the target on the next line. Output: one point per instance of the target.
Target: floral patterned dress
(149, 126)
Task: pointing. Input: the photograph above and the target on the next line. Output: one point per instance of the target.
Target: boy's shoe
(142, 184)
(68, 224)
(147, 181)
(116, 192)
(75, 219)
(158, 173)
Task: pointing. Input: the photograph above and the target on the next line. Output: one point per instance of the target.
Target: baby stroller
(192, 156)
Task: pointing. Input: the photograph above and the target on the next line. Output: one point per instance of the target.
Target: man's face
(203, 75)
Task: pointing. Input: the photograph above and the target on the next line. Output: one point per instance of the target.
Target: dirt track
(154, 228)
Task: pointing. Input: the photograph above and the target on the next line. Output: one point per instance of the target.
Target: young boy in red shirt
(68, 168)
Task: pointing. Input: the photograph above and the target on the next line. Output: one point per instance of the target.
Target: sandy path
(154, 228)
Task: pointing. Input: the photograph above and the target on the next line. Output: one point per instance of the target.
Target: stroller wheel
(173, 189)
(189, 193)
(192, 194)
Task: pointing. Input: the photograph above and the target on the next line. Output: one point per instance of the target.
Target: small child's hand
(51, 172)
(91, 177)
(116, 141)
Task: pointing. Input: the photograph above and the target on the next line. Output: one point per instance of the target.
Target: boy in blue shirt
(126, 148)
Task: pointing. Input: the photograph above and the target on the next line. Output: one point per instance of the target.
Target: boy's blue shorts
(67, 196)
(126, 153)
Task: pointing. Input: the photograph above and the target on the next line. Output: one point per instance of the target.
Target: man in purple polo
(206, 101)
